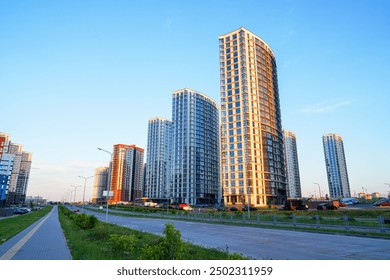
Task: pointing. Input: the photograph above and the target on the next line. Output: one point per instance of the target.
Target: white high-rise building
(292, 167)
(158, 158)
(252, 157)
(15, 167)
(336, 166)
(195, 161)
(100, 184)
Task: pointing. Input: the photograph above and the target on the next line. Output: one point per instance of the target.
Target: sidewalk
(43, 240)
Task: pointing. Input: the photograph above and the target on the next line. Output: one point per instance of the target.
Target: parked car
(185, 207)
(382, 202)
(233, 209)
(245, 208)
(20, 211)
(295, 204)
(221, 209)
(326, 206)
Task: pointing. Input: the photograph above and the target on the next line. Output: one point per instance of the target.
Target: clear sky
(77, 75)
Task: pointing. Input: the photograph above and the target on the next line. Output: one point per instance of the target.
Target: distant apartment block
(336, 166)
(15, 167)
(126, 180)
(292, 166)
(252, 159)
(195, 160)
(100, 185)
(158, 158)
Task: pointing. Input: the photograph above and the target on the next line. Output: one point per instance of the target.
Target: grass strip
(9, 227)
(97, 244)
(310, 227)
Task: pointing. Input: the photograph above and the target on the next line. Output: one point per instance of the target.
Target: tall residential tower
(195, 161)
(251, 138)
(336, 166)
(100, 184)
(158, 158)
(126, 180)
(292, 167)
(15, 166)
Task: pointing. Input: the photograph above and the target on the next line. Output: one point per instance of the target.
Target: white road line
(12, 251)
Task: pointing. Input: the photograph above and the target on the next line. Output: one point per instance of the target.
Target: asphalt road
(261, 243)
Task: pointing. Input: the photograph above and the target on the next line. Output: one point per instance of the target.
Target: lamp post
(319, 189)
(108, 184)
(85, 183)
(70, 196)
(166, 196)
(75, 187)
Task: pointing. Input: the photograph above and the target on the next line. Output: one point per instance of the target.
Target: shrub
(170, 247)
(172, 243)
(85, 221)
(151, 252)
(123, 243)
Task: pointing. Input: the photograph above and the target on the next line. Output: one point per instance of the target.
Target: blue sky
(77, 75)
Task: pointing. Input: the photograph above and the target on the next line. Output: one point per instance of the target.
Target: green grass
(305, 220)
(95, 244)
(11, 226)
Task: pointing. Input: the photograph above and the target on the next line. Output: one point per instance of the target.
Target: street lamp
(70, 196)
(319, 189)
(166, 196)
(108, 184)
(75, 187)
(85, 183)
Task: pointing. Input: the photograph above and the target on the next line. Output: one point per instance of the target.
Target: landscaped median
(9, 227)
(90, 239)
(370, 223)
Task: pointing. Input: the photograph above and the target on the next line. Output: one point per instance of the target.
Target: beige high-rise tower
(252, 158)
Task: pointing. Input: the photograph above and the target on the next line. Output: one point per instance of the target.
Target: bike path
(43, 240)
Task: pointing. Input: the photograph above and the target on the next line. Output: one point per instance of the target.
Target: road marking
(11, 252)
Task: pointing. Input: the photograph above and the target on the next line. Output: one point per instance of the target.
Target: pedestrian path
(43, 240)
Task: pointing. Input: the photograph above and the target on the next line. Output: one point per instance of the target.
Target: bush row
(83, 220)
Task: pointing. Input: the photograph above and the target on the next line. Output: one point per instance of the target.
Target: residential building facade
(252, 159)
(158, 158)
(6, 164)
(100, 184)
(336, 166)
(15, 167)
(195, 160)
(291, 165)
(126, 179)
